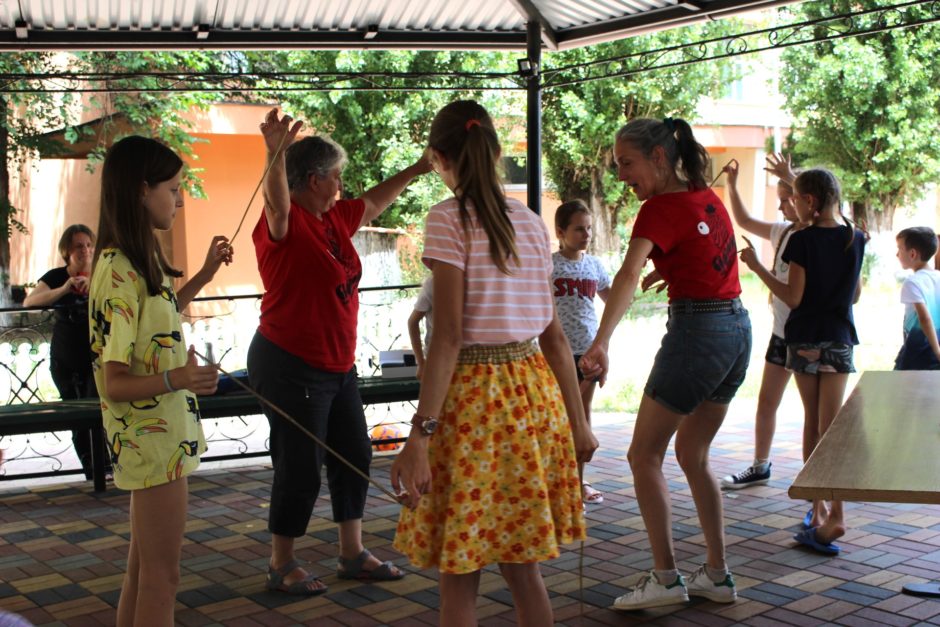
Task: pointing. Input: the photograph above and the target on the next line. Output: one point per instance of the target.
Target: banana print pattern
(174, 469)
(151, 440)
(158, 342)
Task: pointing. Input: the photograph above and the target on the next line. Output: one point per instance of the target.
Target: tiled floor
(62, 551)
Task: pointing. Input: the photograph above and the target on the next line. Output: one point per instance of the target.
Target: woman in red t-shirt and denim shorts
(685, 229)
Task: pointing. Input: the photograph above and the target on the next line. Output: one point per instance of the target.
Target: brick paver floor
(63, 550)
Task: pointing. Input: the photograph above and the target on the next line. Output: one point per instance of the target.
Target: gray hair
(312, 155)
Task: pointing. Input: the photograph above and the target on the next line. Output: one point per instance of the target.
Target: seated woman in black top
(66, 289)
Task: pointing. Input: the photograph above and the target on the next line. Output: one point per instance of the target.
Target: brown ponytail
(464, 133)
(675, 135)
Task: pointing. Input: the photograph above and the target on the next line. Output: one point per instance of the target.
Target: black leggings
(328, 405)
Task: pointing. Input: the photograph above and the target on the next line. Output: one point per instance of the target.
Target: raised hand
(780, 166)
(279, 132)
(731, 172)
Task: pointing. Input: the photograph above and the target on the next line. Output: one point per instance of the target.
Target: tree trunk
(605, 238)
(870, 218)
(6, 208)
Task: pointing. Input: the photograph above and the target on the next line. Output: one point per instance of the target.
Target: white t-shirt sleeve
(425, 297)
(912, 292)
(603, 279)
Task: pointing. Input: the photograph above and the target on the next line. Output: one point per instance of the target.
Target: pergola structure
(525, 25)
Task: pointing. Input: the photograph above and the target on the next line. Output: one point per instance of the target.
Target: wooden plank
(883, 446)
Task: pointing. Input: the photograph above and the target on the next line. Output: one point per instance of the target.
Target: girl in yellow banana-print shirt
(146, 378)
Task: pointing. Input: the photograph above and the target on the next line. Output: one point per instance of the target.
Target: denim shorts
(814, 358)
(776, 351)
(703, 357)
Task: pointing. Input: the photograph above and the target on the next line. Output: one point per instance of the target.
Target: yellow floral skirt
(505, 485)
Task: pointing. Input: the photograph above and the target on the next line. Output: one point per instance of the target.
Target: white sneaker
(650, 593)
(700, 585)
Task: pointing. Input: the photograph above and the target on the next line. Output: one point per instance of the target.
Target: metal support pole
(534, 117)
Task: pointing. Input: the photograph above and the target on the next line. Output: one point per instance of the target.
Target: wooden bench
(86, 414)
(883, 446)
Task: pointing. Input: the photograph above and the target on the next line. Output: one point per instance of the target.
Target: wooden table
(883, 446)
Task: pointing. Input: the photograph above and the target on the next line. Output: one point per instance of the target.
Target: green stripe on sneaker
(678, 582)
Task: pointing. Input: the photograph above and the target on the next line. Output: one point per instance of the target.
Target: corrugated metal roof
(103, 24)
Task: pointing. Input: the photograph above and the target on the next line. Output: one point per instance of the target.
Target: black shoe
(746, 478)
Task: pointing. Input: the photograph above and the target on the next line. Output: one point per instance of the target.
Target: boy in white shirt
(920, 294)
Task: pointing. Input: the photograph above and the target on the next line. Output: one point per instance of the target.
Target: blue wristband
(166, 381)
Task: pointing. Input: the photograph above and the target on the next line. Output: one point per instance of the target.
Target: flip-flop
(807, 538)
(808, 519)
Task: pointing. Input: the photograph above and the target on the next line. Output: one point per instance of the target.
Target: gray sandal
(276, 583)
(353, 569)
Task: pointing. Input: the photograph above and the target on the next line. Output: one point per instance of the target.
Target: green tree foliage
(28, 117)
(385, 131)
(869, 108)
(161, 115)
(580, 120)
(23, 119)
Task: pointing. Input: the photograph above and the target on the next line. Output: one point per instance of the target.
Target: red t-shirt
(694, 247)
(311, 280)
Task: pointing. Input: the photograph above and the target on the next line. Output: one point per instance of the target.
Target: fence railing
(227, 323)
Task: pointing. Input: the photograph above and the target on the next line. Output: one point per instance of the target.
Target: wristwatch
(427, 424)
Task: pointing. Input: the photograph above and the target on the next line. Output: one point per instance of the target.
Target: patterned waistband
(705, 306)
(497, 354)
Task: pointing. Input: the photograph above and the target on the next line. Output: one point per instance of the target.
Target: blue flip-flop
(808, 538)
(808, 519)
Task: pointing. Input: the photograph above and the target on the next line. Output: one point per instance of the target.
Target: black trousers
(328, 405)
(73, 384)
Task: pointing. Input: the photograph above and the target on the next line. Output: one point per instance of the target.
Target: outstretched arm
(382, 195)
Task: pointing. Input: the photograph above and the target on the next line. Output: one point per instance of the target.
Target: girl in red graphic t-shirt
(685, 229)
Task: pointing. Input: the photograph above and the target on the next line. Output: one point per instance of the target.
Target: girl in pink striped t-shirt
(490, 467)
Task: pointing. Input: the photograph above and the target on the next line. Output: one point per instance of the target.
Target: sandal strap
(353, 566)
(277, 575)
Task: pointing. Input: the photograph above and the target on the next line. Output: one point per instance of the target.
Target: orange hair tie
(470, 124)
